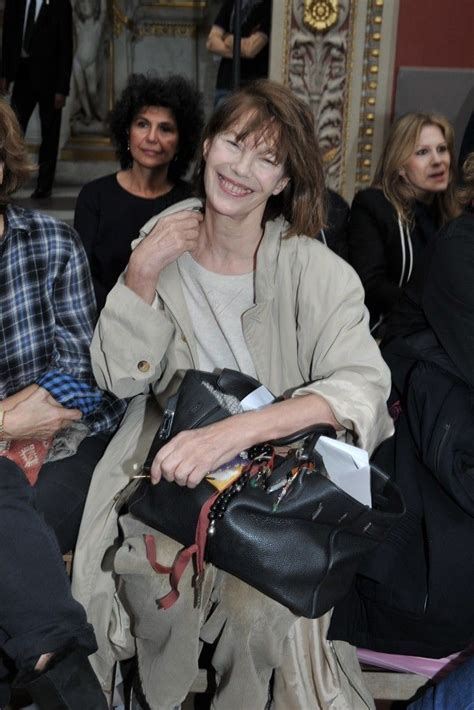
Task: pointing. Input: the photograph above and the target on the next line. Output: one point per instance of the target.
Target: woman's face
(153, 137)
(240, 176)
(427, 169)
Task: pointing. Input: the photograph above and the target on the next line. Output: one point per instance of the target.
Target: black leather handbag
(283, 527)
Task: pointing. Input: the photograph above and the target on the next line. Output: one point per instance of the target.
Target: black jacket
(382, 251)
(416, 593)
(51, 47)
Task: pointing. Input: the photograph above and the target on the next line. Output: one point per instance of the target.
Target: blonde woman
(412, 196)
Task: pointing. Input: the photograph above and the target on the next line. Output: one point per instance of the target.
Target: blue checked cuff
(70, 392)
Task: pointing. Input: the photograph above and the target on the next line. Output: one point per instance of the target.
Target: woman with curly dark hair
(155, 126)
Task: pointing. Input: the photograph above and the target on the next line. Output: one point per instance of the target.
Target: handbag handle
(317, 430)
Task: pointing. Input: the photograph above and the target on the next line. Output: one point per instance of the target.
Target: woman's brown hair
(273, 112)
(399, 146)
(13, 153)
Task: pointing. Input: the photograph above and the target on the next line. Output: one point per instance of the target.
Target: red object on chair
(29, 455)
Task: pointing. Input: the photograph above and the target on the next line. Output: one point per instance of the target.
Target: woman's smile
(233, 188)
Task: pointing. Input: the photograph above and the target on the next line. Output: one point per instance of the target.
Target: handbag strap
(182, 560)
(197, 550)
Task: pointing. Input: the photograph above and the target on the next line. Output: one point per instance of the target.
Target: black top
(256, 17)
(108, 219)
(383, 254)
(335, 233)
(440, 295)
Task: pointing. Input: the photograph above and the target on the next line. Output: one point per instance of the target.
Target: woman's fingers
(181, 461)
(190, 455)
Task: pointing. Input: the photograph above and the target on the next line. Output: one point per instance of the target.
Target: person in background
(254, 44)
(412, 196)
(37, 57)
(155, 125)
(401, 603)
(54, 427)
(334, 235)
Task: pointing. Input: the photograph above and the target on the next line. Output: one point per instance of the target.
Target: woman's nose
(243, 164)
(152, 135)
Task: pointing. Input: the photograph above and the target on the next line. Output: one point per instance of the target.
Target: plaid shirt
(47, 313)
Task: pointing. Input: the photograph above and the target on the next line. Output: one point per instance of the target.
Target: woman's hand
(170, 237)
(191, 455)
(38, 416)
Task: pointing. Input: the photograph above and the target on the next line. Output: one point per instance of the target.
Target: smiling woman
(231, 280)
(412, 196)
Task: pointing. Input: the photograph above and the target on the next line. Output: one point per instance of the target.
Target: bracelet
(4, 443)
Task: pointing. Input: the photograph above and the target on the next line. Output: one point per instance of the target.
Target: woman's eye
(442, 148)
(270, 159)
(141, 124)
(422, 151)
(234, 144)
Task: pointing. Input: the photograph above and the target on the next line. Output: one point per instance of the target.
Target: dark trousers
(24, 99)
(37, 611)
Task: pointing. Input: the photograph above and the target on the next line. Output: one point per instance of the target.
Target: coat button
(143, 366)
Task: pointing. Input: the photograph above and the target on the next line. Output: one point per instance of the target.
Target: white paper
(348, 467)
(257, 399)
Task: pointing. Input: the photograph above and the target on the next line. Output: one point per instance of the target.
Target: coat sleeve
(440, 413)
(448, 295)
(336, 349)
(367, 253)
(129, 343)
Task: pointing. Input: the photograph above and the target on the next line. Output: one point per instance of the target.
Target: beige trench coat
(307, 332)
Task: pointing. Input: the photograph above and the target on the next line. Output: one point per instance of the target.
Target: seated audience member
(412, 196)
(155, 126)
(54, 427)
(238, 282)
(254, 43)
(416, 593)
(334, 235)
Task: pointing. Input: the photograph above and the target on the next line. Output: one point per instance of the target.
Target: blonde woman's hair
(399, 146)
(13, 153)
(465, 193)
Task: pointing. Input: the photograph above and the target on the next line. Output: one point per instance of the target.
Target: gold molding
(161, 29)
(370, 60)
(120, 21)
(365, 139)
(320, 15)
(180, 5)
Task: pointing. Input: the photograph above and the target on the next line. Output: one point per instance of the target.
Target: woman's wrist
(282, 419)
(141, 282)
(5, 433)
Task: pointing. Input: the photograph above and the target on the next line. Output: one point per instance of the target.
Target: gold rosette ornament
(320, 15)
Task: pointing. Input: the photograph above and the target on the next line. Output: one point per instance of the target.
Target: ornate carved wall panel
(337, 55)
